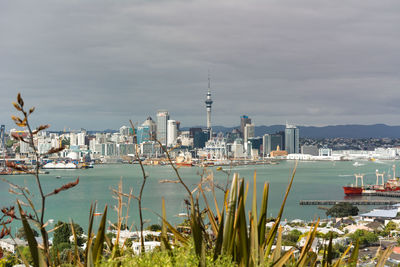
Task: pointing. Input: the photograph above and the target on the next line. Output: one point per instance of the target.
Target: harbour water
(313, 180)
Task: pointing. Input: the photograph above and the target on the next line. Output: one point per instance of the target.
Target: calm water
(313, 180)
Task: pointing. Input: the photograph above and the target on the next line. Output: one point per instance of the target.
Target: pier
(354, 202)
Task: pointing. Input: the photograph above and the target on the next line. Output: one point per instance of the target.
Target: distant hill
(347, 131)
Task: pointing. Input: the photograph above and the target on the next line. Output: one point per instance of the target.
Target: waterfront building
(172, 133)
(292, 139)
(256, 144)
(244, 120)
(109, 149)
(310, 150)
(184, 139)
(208, 108)
(325, 152)
(215, 149)
(162, 119)
(150, 149)
(238, 149)
(278, 153)
(271, 142)
(200, 138)
(125, 149)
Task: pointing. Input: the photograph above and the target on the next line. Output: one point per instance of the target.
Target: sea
(317, 180)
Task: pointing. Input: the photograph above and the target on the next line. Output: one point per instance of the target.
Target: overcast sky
(96, 64)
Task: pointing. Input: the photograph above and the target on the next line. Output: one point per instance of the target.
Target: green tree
(154, 227)
(342, 210)
(365, 237)
(63, 232)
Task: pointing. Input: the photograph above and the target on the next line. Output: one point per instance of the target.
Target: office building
(271, 142)
(162, 119)
(292, 139)
(249, 130)
(244, 120)
(172, 133)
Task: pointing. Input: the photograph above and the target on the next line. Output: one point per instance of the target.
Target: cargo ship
(391, 185)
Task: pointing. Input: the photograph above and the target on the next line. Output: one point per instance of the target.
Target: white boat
(357, 164)
(59, 165)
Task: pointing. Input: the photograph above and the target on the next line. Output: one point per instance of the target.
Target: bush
(366, 238)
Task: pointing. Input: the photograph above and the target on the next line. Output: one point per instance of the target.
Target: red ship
(355, 189)
(391, 185)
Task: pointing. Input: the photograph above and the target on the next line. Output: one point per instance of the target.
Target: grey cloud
(96, 64)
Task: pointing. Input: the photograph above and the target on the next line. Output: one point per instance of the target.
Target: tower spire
(208, 105)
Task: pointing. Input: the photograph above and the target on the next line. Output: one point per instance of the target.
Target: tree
(21, 233)
(342, 210)
(63, 232)
(365, 237)
(154, 227)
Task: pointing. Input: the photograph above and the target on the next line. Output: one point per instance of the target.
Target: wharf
(354, 202)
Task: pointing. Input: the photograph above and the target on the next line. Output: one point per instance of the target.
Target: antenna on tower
(209, 79)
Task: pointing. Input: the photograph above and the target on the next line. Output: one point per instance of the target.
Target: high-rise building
(172, 133)
(208, 108)
(152, 126)
(244, 119)
(249, 130)
(271, 142)
(162, 118)
(143, 134)
(292, 139)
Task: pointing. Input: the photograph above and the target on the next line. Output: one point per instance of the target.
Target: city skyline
(98, 66)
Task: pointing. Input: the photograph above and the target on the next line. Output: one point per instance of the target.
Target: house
(11, 245)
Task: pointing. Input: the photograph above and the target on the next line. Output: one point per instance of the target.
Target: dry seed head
(20, 101)
(17, 107)
(31, 110)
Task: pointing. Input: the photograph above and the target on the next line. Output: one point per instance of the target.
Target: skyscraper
(162, 118)
(291, 139)
(244, 119)
(249, 130)
(208, 108)
(172, 133)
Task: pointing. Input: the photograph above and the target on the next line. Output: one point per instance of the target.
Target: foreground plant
(40, 252)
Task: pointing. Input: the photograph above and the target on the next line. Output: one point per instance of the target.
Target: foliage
(179, 257)
(291, 238)
(154, 227)
(21, 233)
(365, 237)
(63, 232)
(343, 209)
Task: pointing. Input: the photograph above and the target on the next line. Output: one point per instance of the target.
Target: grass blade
(98, 244)
(33, 246)
(272, 232)
(263, 216)
(354, 255)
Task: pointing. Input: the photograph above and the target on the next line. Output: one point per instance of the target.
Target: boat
(58, 176)
(357, 164)
(59, 165)
(355, 189)
(391, 185)
(184, 160)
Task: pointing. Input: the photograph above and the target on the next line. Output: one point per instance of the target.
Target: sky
(97, 64)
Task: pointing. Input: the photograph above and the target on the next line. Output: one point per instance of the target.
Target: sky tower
(208, 107)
